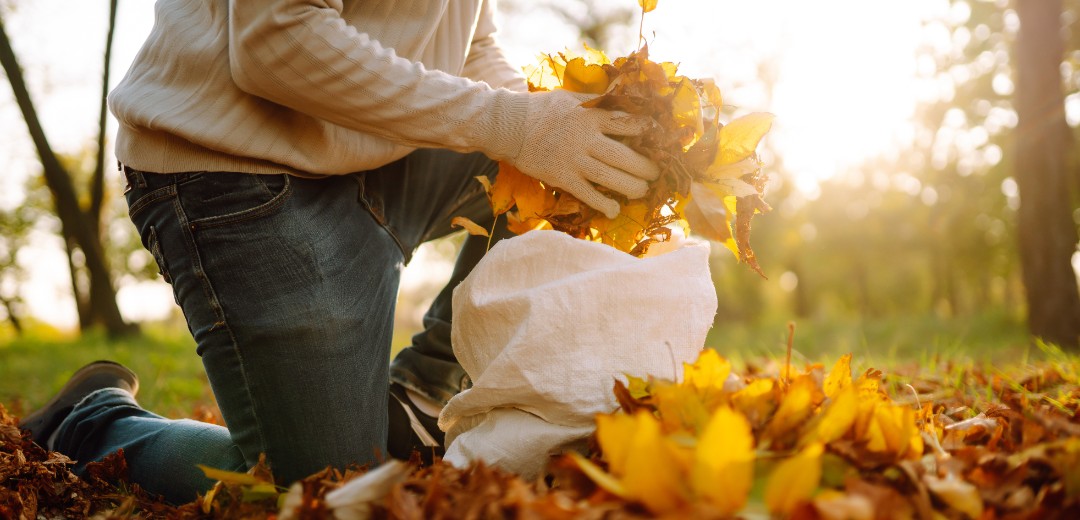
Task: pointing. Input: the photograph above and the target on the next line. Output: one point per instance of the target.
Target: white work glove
(568, 147)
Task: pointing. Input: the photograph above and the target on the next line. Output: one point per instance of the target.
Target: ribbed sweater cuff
(501, 130)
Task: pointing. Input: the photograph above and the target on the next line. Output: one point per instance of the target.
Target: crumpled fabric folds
(544, 325)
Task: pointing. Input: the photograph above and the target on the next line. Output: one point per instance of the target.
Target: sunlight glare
(843, 80)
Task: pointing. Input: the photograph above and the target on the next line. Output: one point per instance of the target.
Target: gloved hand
(568, 147)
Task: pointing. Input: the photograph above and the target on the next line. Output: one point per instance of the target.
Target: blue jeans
(288, 286)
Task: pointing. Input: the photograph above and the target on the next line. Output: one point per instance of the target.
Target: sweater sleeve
(486, 61)
(302, 54)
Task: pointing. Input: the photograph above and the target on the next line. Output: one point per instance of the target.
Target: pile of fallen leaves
(960, 442)
(710, 182)
(35, 483)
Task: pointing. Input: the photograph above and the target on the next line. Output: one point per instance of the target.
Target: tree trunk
(12, 315)
(72, 219)
(1047, 234)
(97, 181)
(82, 300)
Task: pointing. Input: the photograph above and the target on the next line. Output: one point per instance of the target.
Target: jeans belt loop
(134, 176)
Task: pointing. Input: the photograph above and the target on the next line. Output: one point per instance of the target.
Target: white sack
(545, 323)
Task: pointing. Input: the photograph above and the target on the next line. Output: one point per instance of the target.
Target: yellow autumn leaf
(647, 5)
(720, 172)
(794, 480)
(892, 430)
(581, 77)
(724, 188)
(613, 434)
(796, 407)
(708, 372)
(723, 471)
(626, 229)
(595, 56)
(864, 419)
(554, 68)
(739, 138)
(712, 93)
(868, 386)
(670, 69)
(686, 109)
(836, 419)
(519, 227)
(637, 386)
(471, 227)
(757, 401)
(680, 407)
(532, 199)
(229, 477)
(653, 473)
(839, 378)
(599, 476)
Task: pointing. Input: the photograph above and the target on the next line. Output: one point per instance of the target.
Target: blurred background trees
(80, 223)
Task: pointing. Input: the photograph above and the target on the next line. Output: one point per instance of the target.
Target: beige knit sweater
(315, 87)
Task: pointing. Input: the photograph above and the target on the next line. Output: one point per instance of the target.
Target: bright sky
(843, 91)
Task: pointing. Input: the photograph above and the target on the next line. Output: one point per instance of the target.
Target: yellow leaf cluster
(709, 439)
(711, 180)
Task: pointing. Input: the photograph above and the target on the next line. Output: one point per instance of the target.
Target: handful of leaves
(710, 179)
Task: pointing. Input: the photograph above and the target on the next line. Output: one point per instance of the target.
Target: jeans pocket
(213, 199)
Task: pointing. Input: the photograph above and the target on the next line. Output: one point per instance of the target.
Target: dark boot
(43, 422)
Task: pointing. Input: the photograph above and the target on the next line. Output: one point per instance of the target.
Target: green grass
(882, 342)
(33, 367)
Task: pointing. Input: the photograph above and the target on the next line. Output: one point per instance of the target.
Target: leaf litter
(775, 440)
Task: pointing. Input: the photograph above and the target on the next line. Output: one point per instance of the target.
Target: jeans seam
(149, 198)
(381, 221)
(219, 312)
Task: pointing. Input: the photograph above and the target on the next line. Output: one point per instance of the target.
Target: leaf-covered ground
(801, 442)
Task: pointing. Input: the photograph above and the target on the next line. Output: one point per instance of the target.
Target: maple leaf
(647, 5)
(512, 188)
(707, 377)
